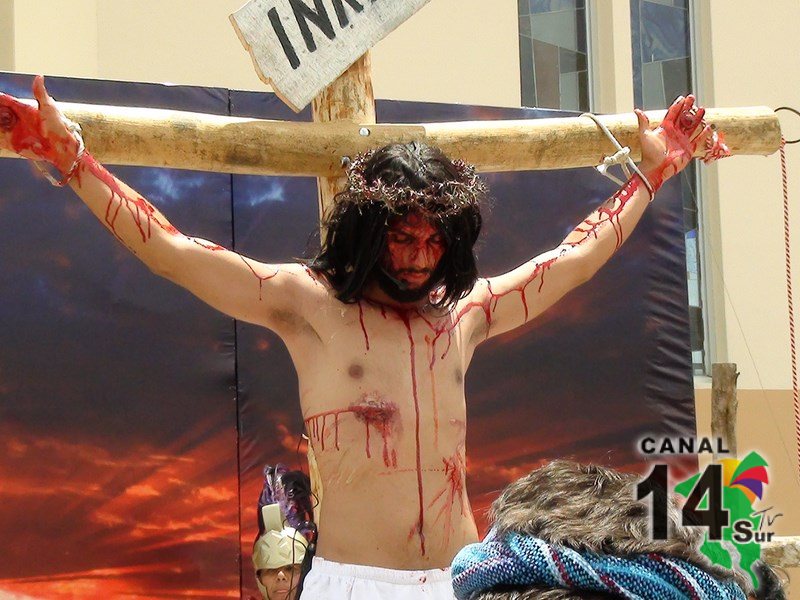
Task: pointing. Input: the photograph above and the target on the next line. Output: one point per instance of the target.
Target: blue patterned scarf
(525, 561)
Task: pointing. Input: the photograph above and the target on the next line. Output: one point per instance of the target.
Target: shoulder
(473, 311)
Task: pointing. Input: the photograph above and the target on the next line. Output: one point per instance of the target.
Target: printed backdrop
(135, 421)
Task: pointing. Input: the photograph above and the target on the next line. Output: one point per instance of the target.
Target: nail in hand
(8, 118)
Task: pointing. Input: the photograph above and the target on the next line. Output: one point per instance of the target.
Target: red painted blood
(454, 469)
(261, 278)
(608, 213)
(141, 212)
(26, 127)
(8, 118)
(373, 411)
(361, 320)
(379, 414)
(419, 526)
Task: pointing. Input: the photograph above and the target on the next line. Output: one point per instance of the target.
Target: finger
(697, 120)
(39, 91)
(644, 122)
(674, 110)
(688, 103)
(703, 136)
(685, 120)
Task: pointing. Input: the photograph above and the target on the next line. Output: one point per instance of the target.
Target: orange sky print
(90, 524)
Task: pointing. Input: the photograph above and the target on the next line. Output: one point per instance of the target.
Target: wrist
(654, 174)
(66, 160)
(648, 166)
(68, 146)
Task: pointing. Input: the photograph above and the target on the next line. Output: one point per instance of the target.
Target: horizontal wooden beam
(183, 140)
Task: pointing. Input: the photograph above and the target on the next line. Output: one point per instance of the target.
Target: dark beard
(400, 292)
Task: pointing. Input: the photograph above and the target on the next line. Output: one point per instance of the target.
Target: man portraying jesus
(381, 326)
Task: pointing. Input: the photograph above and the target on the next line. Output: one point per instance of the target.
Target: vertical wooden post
(349, 98)
(724, 405)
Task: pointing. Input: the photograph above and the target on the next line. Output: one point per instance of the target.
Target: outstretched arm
(269, 295)
(518, 296)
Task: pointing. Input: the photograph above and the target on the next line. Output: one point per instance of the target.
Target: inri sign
(302, 46)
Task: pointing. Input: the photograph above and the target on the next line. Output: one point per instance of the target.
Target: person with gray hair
(569, 531)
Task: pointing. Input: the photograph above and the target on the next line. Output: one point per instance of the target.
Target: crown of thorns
(441, 198)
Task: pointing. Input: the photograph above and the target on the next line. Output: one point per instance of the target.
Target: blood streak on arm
(261, 278)
(609, 213)
(143, 214)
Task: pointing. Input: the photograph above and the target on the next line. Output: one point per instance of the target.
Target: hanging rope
(792, 343)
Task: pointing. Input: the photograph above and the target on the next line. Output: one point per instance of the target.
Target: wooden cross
(303, 42)
(319, 59)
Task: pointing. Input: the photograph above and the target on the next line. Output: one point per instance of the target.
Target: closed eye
(400, 238)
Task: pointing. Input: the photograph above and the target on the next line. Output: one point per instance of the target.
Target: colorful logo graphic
(722, 498)
(743, 483)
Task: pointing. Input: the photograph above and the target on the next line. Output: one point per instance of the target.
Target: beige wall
(6, 35)
(471, 60)
(749, 57)
(754, 59)
(452, 52)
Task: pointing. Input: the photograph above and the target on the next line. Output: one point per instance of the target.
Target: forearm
(601, 233)
(134, 221)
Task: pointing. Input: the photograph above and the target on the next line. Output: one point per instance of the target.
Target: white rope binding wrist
(622, 158)
(75, 130)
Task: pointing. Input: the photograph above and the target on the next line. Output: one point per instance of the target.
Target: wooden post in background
(724, 406)
(782, 552)
(350, 98)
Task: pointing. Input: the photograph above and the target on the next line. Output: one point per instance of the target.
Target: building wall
(450, 52)
(750, 57)
(455, 51)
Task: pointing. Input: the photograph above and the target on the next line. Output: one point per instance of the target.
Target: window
(553, 56)
(662, 70)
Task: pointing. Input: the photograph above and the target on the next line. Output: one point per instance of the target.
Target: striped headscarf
(523, 560)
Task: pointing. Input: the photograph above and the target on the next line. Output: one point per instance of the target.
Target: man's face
(414, 247)
(280, 583)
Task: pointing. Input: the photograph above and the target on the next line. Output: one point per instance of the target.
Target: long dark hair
(356, 227)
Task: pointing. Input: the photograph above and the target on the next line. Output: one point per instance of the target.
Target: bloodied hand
(668, 148)
(38, 133)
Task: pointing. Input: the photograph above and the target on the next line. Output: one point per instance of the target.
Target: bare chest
(386, 370)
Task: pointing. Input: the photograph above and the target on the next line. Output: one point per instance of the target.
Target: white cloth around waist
(330, 580)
